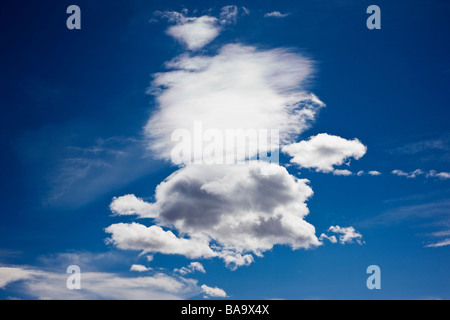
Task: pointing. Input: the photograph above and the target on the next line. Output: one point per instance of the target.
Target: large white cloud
(224, 211)
(324, 151)
(41, 284)
(239, 88)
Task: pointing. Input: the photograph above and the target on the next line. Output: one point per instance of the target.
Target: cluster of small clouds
(196, 32)
(347, 235)
(419, 172)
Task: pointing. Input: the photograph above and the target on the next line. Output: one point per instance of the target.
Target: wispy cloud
(276, 14)
(419, 172)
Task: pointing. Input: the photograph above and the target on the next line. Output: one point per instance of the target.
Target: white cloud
(419, 172)
(323, 151)
(441, 175)
(344, 172)
(236, 207)
(195, 33)
(276, 14)
(139, 268)
(443, 243)
(374, 173)
(239, 88)
(192, 267)
(412, 174)
(348, 235)
(9, 275)
(229, 14)
(96, 285)
(360, 173)
(214, 292)
(332, 239)
(136, 236)
(130, 205)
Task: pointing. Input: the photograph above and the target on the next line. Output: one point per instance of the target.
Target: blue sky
(76, 135)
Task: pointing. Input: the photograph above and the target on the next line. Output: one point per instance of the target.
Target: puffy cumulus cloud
(135, 236)
(374, 173)
(347, 235)
(225, 211)
(240, 88)
(213, 292)
(130, 205)
(323, 151)
(96, 285)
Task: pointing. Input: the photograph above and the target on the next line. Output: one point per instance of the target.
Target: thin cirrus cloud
(276, 14)
(323, 152)
(419, 172)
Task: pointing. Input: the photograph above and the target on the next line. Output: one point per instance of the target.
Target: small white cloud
(130, 205)
(441, 175)
(360, 173)
(192, 267)
(139, 268)
(213, 292)
(374, 173)
(323, 151)
(343, 172)
(409, 175)
(197, 266)
(276, 14)
(195, 33)
(332, 239)
(348, 235)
